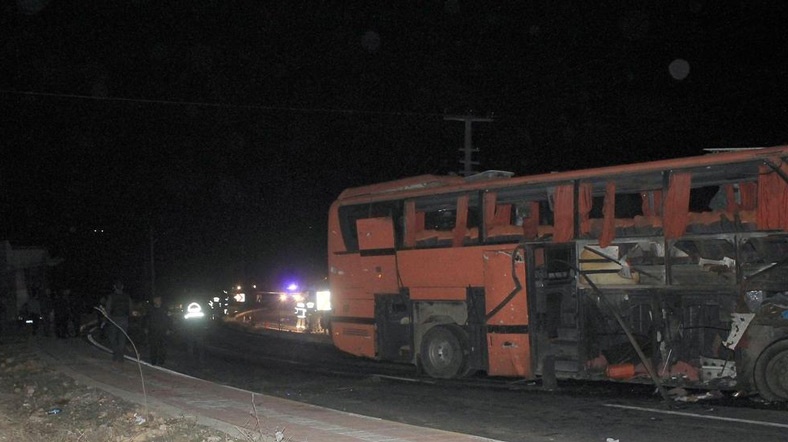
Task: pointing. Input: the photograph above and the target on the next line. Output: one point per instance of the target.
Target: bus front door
(554, 307)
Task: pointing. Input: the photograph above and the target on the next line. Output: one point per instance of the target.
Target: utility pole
(152, 264)
(468, 149)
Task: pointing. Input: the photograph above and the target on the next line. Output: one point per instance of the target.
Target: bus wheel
(771, 372)
(442, 354)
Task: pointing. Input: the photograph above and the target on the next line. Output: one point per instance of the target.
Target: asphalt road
(288, 365)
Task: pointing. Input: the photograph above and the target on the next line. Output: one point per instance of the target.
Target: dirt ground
(38, 403)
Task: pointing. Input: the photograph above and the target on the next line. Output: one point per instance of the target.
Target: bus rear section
(671, 272)
(464, 310)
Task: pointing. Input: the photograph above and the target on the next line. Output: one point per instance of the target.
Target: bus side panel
(499, 284)
(438, 293)
(445, 267)
(353, 318)
(354, 306)
(354, 338)
(372, 274)
(508, 343)
(509, 355)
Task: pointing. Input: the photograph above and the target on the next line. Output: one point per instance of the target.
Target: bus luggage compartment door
(393, 317)
(506, 309)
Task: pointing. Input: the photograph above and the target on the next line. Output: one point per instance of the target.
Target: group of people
(59, 313)
(117, 311)
(53, 312)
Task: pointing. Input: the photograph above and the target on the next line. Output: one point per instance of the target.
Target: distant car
(27, 319)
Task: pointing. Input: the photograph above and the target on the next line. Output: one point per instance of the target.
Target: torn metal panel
(739, 324)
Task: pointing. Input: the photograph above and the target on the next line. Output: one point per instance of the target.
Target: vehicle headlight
(193, 311)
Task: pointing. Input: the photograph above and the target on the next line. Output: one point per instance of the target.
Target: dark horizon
(226, 131)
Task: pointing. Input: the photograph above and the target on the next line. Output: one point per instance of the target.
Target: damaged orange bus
(672, 271)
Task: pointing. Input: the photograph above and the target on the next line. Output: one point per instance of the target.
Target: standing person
(194, 330)
(47, 314)
(158, 327)
(118, 309)
(74, 311)
(60, 307)
(33, 311)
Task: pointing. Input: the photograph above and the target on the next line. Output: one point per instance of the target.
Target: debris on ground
(37, 403)
(682, 395)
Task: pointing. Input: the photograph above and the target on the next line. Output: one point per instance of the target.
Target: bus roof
(425, 184)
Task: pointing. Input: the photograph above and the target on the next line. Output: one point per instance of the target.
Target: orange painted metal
(404, 184)
(356, 339)
(509, 355)
(444, 267)
(427, 184)
(354, 304)
(437, 293)
(375, 233)
(620, 371)
(358, 277)
(499, 284)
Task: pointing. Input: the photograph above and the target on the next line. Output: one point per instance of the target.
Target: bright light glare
(298, 297)
(323, 300)
(282, 298)
(193, 311)
(292, 287)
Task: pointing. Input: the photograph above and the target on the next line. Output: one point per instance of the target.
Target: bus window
(557, 263)
(764, 259)
(516, 213)
(435, 220)
(349, 215)
(630, 205)
(640, 262)
(703, 261)
(441, 220)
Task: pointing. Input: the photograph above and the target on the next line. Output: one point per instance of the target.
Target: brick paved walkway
(227, 408)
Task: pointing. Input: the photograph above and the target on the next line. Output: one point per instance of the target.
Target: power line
(216, 105)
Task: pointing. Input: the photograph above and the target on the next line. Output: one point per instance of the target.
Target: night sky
(223, 130)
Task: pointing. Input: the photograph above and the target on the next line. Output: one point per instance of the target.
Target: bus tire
(465, 344)
(771, 372)
(442, 354)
